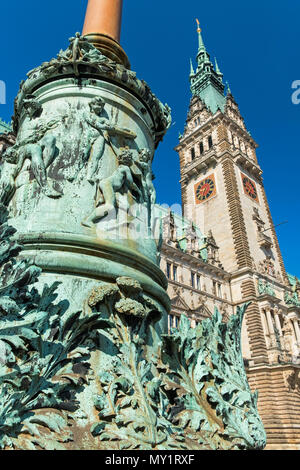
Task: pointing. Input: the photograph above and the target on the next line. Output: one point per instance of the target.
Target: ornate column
(79, 178)
(297, 329)
(104, 17)
(288, 335)
(269, 320)
(270, 326)
(277, 314)
(277, 321)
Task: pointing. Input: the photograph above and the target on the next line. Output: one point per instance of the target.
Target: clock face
(205, 189)
(249, 188)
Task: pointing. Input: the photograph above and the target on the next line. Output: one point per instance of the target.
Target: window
(198, 282)
(192, 279)
(201, 147)
(214, 288)
(174, 273)
(173, 322)
(210, 142)
(219, 290)
(168, 271)
(192, 153)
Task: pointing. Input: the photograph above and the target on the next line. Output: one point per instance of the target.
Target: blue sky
(257, 47)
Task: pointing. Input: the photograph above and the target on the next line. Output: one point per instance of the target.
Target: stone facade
(237, 257)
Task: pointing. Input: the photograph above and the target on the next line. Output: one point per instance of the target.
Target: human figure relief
(105, 128)
(35, 144)
(81, 50)
(119, 182)
(147, 182)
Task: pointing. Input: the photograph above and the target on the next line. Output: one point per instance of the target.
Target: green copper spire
(192, 73)
(201, 46)
(218, 69)
(207, 81)
(228, 89)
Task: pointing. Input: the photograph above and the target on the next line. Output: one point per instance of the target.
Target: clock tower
(223, 193)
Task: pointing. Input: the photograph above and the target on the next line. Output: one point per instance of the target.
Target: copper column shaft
(102, 28)
(104, 17)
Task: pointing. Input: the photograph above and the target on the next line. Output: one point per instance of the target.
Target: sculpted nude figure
(40, 149)
(101, 124)
(120, 180)
(147, 183)
(36, 145)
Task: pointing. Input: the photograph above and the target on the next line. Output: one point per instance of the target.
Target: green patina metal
(292, 298)
(85, 359)
(187, 390)
(190, 393)
(4, 127)
(293, 280)
(265, 287)
(206, 82)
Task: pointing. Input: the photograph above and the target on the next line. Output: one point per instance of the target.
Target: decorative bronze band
(109, 47)
(104, 260)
